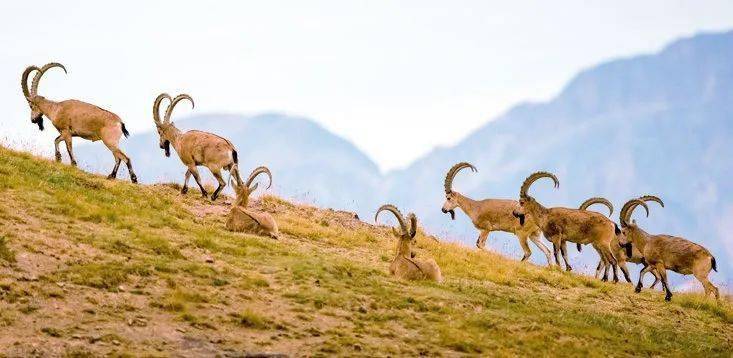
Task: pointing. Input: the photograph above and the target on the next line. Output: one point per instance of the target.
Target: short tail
(235, 157)
(580, 247)
(124, 131)
(715, 266)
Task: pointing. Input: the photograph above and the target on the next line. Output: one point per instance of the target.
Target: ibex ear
(394, 231)
(233, 183)
(253, 187)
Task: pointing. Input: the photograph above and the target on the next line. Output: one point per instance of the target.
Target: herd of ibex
(526, 218)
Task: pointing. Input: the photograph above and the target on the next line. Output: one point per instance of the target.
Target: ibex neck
(403, 248)
(49, 108)
(468, 205)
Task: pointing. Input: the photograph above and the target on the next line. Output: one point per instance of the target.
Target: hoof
(213, 197)
(58, 157)
(605, 279)
(205, 195)
(637, 289)
(668, 298)
(568, 268)
(133, 179)
(73, 163)
(184, 190)
(111, 177)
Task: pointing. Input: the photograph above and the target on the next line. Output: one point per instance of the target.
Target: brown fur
(196, 148)
(404, 265)
(493, 215)
(74, 118)
(564, 224)
(242, 219)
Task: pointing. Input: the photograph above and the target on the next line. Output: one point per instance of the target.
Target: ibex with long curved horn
(195, 148)
(492, 215)
(618, 250)
(666, 252)
(404, 265)
(74, 118)
(564, 224)
(242, 219)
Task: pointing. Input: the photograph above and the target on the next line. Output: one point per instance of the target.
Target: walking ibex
(667, 252)
(195, 148)
(74, 118)
(492, 215)
(564, 224)
(404, 265)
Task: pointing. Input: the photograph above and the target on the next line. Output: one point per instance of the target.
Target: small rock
(362, 309)
(182, 330)
(60, 284)
(115, 342)
(121, 288)
(209, 259)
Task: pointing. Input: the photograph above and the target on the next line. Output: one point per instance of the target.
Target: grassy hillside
(91, 266)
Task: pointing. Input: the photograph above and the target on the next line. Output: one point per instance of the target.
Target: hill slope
(89, 265)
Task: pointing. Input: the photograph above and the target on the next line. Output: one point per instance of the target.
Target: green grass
(125, 254)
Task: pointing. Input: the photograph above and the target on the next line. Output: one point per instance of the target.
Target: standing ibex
(74, 118)
(492, 215)
(564, 224)
(403, 265)
(242, 219)
(666, 252)
(195, 148)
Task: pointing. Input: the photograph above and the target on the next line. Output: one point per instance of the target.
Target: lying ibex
(195, 148)
(564, 224)
(666, 252)
(492, 215)
(242, 219)
(403, 265)
(74, 118)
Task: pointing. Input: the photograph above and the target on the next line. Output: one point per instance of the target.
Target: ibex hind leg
(69, 149)
(56, 146)
(564, 250)
(525, 247)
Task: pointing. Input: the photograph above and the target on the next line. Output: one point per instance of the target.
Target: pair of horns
(257, 171)
(411, 230)
(629, 206)
(597, 200)
(534, 177)
(36, 79)
(448, 184)
(169, 110)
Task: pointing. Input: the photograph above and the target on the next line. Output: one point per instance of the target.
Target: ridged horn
(413, 224)
(156, 106)
(39, 74)
(448, 184)
(169, 110)
(393, 209)
(597, 200)
(652, 198)
(534, 177)
(255, 173)
(628, 209)
(24, 81)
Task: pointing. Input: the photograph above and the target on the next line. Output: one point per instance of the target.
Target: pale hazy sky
(395, 77)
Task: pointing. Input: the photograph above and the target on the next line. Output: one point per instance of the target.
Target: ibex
(403, 265)
(195, 148)
(564, 224)
(666, 252)
(618, 250)
(492, 215)
(74, 118)
(242, 219)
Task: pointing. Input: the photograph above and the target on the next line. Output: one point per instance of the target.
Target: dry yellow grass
(91, 266)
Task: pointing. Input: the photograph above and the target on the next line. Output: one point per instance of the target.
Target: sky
(397, 78)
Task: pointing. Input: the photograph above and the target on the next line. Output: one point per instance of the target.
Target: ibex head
(166, 130)
(31, 96)
(630, 232)
(243, 191)
(451, 201)
(406, 234)
(526, 202)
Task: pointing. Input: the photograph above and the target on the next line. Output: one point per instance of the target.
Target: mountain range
(651, 124)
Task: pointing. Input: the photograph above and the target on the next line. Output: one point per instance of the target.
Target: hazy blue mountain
(658, 124)
(654, 124)
(309, 164)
